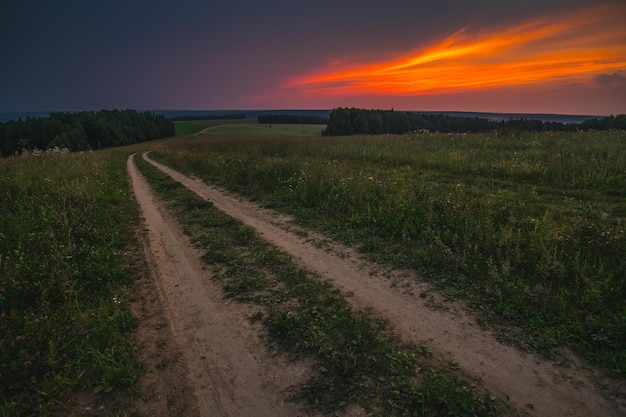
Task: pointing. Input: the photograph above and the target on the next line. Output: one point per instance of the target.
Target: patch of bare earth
(164, 390)
(527, 382)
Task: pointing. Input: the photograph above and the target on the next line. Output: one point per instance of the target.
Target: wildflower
(101, 408)
(87, 409)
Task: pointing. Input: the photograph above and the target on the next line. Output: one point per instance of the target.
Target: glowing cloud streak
(569, 49)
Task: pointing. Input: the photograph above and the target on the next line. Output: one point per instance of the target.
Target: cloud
(616, 78)
(564, 49)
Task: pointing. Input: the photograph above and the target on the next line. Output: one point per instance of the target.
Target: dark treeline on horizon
(291, 119)
(353, 121)
(82, 131)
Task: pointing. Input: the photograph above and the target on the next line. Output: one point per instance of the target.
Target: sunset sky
(536, 56)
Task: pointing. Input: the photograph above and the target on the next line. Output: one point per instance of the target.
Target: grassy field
(188, 128)
(528, 227)
(66, 261)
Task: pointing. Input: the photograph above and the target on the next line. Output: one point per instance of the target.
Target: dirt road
(227, 366)
(525, 381)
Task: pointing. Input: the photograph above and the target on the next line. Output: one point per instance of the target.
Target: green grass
(65, 266)
(187, 128)
(529, 228)
(253, 129)
(247, 129)
(356, 360)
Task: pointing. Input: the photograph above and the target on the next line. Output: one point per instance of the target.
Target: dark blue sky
(187, 54)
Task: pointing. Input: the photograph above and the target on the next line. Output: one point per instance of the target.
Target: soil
(214, 361)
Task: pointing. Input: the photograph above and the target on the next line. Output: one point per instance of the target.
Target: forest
(82, 131)
(353, 121)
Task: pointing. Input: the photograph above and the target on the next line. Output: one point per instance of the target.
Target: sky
(536, 56)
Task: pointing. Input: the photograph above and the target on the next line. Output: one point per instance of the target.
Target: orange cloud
(571, 48)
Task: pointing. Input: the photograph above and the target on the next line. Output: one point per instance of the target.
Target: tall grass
(528, 227)
(65, 325)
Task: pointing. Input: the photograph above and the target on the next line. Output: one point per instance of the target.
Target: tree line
(353, 121)
(82, 131)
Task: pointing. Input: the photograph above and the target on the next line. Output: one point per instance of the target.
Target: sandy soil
(230, 374)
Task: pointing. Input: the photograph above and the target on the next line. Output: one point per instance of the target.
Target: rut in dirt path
(229, 369)
(526, 381)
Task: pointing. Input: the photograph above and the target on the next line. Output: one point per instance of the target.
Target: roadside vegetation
(356, 360)
(65, 264)
(528, 227)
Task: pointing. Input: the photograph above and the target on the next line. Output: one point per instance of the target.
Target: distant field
(188, 128)
(242, 127)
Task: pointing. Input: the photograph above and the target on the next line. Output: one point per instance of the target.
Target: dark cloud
(617, 78)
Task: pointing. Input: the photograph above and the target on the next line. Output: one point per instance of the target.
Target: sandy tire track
(526, 381)
(227, 366)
